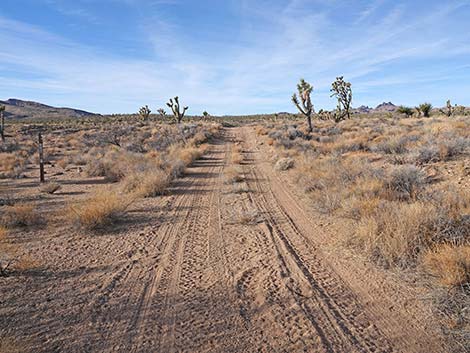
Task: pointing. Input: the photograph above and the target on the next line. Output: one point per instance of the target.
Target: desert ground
(237, 236)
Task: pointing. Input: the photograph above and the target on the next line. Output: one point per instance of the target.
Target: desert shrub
(50, 187)
(426, 154)
(200, 138)
(100, 210)
(147, 184)
(449, 264)
(393, 145)
(396, 233)
(261, 131)
(236, 154)
(187, 154)
(233, 175)
(116, 164)
(326, 202)
(284, 164)
(20, 215)
(248, 217)
(406, 182)
(360, 207)
(451, 146)
(12, 165)
(176, 168)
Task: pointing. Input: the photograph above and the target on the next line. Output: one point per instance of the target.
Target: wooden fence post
(2, 122)
(41, 159)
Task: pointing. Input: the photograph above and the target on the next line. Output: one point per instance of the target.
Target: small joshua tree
(405, 110)
(175, 107)
(305, 105)
(2, 122)
(144, 112)
(162, 112)
(425, 108)
(449, 109)
(205, 114)
(342, 91)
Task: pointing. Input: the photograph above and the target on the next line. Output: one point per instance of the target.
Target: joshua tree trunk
(309, 121)
(41, 159)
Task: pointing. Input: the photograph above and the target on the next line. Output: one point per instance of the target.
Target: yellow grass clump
(101, 210)
(397, 232)
(233, 175)
(21, 215)
(11, 165)
(147, 184)
(449, 264)
(236, 155)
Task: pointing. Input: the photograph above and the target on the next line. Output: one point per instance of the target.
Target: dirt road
(214, 268)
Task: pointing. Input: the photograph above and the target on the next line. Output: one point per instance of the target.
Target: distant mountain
(386, 107)
(19, 109)
(363, 109)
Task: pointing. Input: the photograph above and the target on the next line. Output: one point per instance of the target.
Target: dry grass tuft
(397, 232)
(147, 184)
(22, 215)
(236, 155)
(284, 164)
(12, 165)
(449, 264)
(233, 175)
(100, 210)
(50, 188)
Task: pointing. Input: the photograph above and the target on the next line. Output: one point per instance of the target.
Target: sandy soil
(211, 267)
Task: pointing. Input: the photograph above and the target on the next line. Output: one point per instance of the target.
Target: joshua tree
(342, 91)
(305, 105)
(425, 108)
(405, 110)
(175, 107)
(2, 122)
(162, 112)
(144, 112)
(450, 110)
(205, 114)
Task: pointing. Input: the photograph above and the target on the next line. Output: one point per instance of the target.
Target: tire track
(330, 306)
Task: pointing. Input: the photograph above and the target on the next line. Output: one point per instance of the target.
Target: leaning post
(2, 122)
(41, 159)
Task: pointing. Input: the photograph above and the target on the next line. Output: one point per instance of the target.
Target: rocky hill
(20, 109)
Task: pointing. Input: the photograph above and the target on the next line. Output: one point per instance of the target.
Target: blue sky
(232, 56)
